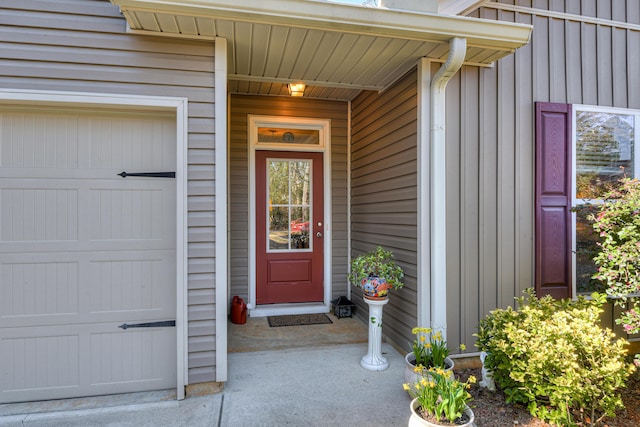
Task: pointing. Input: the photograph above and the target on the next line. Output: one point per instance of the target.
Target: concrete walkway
(321, 386)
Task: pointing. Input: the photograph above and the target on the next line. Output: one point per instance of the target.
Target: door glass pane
(278, 230)
(289, 202)
(279, 182)
(300, 182)
(300, 227)
(604, 155)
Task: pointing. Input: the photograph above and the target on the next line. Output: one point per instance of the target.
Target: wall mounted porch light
(296, 89)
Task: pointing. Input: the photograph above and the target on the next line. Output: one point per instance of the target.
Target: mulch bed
(491, 410)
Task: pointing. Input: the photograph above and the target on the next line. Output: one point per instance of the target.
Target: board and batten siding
(83, 46)
(240, 107)
(384, 193)
(588, 59)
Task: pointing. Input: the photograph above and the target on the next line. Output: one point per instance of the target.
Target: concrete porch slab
(321, 386)
(312, 386)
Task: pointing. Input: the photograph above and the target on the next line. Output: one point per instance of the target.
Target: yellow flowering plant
(429, 348)
(441, 396)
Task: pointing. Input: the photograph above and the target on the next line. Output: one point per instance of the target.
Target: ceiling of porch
(337, 49)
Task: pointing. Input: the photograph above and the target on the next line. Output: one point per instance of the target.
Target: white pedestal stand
(374, 360)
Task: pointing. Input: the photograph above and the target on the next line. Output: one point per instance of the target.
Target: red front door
(289, 228)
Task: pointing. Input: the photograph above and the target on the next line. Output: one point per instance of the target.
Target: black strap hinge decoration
(163, 324)
(149, 174)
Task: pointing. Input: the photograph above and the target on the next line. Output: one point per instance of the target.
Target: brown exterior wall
(240, 107)
(384, 193)
(490, 140)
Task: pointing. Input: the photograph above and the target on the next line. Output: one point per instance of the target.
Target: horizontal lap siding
(384, 192)
(241, 107)
(490, 159)
(82, 46)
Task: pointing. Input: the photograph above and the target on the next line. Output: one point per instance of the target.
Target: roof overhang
(338, 49)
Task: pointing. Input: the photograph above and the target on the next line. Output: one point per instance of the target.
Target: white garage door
(83, 251)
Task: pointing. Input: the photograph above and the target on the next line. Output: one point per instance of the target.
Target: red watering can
(238, 311)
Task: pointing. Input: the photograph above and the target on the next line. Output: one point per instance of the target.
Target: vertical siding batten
(573, 75)
(619, 65)
(489, 184)
(469, 201)
(506, 173)
(524, 168)
(633, 65)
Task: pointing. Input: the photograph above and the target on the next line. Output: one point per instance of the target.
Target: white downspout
(457, 52)
(349, 111)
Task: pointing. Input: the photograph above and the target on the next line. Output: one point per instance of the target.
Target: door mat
(298, 320)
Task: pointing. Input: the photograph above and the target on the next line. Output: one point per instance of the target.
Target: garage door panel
(131, 356)
(126, 211)
(37, 214)
(39, 288)
(136, 142)
(131, 214)
(63, 364)
(41, 362)
(31, 139)
(86, 287)
(133, 209)
(75, 139)
(132, 285)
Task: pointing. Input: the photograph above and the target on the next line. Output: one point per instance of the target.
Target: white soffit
(336, 49)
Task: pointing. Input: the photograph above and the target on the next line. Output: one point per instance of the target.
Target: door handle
(318, 234)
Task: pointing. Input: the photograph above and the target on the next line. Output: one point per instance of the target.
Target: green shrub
(554, 357)
(617, 222)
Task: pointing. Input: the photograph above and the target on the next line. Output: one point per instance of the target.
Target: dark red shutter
(553, 200)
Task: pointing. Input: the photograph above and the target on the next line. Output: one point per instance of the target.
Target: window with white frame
(605, 150)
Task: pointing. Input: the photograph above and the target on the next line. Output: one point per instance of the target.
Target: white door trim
(324, 126)
(151, 103)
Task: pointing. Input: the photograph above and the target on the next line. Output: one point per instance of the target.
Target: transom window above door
(275, 135)
(605, 151)
(288, 133)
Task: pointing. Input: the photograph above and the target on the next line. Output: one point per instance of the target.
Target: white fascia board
(346, 18)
